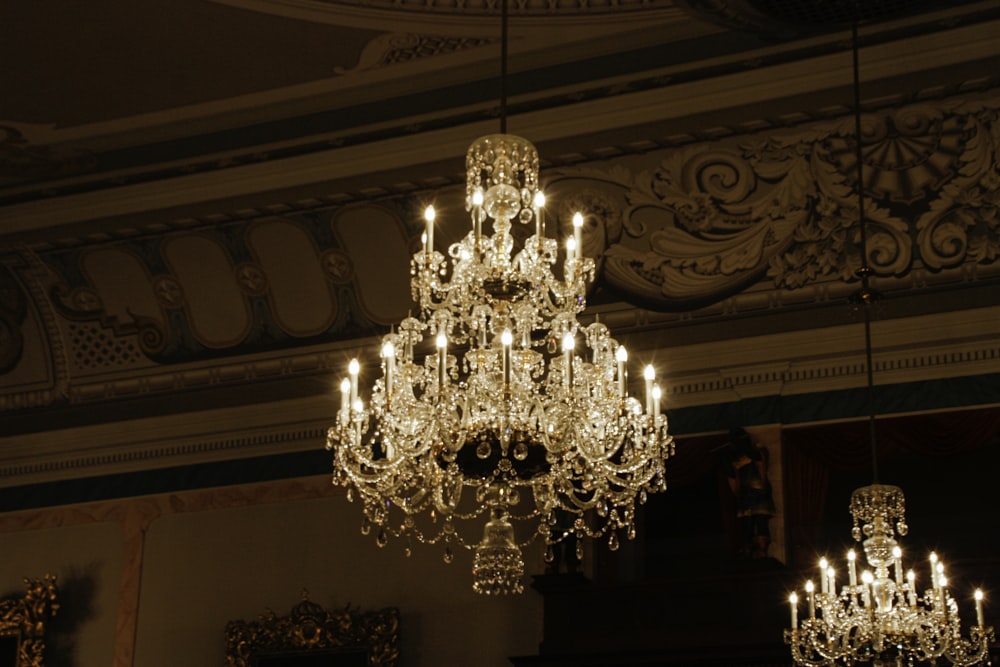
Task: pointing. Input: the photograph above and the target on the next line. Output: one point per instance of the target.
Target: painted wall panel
(216, 305)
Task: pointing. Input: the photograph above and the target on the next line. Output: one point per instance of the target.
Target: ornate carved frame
(309, 627)
(27, 617)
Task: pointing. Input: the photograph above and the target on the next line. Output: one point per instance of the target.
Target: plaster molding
(740, 89)
(154, 442)
(369, 13)
(965, 343)
(911, 349)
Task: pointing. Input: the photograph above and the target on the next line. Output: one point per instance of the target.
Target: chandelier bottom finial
(497, 565)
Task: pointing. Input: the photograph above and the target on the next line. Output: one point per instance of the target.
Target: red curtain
(812, 452)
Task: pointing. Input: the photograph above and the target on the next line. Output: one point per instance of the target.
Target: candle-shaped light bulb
(389, 355)
(657, 393)
(811, 594)
(940, 578)
(911, 579)
(578, 232)
(429, 215)
(442, 345)
(568, 343)
(832, 581)
(852, 571)
(477, 215)
(649, 374)
(621, 356)
(345, 395)
(793, 600)
(539, 204)
(897, 559)
(357, 407)
(979, 607)
(506, 339)
(823, 579)
(571, 247)
(353, 368)
(867, 579)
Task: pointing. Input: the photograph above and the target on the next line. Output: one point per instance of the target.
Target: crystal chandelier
(489, 411)
(881, 618)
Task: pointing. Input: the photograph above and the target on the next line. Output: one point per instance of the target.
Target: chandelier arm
(965, 652)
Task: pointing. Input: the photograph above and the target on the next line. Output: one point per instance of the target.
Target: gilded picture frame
(311, 635)
(23, 622)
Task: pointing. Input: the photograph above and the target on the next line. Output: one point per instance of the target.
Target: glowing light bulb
(429, 216)
(649, 374)
(577, 231)
(353, 368)
(621, 355)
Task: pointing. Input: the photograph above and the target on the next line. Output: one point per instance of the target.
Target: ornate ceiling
(204, 205)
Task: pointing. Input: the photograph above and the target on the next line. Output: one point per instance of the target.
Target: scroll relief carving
(311, 628)
(710, 220)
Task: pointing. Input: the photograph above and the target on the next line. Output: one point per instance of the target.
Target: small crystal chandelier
(501, 420)
(883, 619)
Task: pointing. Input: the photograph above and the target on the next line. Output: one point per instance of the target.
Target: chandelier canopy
(488, 410)
(883, 619)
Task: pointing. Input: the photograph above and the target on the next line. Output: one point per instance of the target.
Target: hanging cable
(503, 66)
(866, 297)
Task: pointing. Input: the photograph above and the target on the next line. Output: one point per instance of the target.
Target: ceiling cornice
(741, 90)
